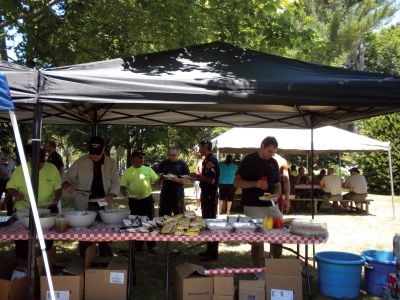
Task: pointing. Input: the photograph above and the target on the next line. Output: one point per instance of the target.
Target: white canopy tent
(327, 139)
(298, 141)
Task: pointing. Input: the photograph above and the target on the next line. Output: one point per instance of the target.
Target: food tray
(218, 226)
(257, 221)
(309, 228)
(241, 219)
(244, 227)
(4, 220)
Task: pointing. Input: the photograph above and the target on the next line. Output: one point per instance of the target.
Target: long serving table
(100, 232)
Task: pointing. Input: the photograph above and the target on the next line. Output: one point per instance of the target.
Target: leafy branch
(29, 15)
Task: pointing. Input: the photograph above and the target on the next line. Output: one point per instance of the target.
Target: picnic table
(100, 232)
(364, 203)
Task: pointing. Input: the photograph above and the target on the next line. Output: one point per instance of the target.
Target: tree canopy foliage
(382, 55)
(64, 32)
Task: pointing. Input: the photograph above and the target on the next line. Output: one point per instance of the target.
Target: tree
(382, 55)
(375, 165)
(383, 51)
(342, 26)
(78, 31)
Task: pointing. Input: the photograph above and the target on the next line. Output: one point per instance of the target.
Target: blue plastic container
(380, 264)
(339, 274)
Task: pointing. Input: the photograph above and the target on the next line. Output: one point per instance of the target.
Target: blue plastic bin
(380, 264)
(339, 274)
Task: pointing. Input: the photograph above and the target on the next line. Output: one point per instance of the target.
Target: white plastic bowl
(114, 216)
(25, 212)
(80, 218)
(46, 222)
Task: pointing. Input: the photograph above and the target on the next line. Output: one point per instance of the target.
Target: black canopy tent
(213, 84)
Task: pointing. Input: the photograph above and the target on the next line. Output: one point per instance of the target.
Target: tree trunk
(128, 148)
(3, 47)
(358, 57)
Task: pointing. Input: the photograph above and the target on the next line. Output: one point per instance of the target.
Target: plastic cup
(61, 224)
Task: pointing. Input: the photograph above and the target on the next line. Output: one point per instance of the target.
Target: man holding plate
(172, 172)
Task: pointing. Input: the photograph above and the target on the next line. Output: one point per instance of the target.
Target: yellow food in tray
(187, 224)
(169, 228)
(193, 232)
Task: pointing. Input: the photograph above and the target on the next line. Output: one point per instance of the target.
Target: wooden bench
(352, 206)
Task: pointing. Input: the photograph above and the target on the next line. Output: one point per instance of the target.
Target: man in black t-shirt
(209, 193)
(172, 191)
(258, 173)
(54, 157)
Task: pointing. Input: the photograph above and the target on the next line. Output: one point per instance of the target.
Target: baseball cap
(138, 152)
(96, 145)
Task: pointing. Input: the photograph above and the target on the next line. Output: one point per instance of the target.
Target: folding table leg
(167, 273)
(131, 269)
(307, 272)
(313, 255)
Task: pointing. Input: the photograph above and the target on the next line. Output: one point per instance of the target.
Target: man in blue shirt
(172, 191)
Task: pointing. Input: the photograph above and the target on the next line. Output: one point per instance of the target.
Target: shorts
(226, 192)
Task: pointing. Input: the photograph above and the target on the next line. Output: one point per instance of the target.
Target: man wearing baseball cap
(92, 177)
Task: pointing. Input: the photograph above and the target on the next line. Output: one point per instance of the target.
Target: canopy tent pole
(312, 168)
(391, 180)
(37, 126)
(340, 162)
(34, 213)
(94, 129)
(307, 165)
(218, 157)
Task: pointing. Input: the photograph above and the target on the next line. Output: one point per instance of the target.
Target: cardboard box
(221, 297)
(283, 279)
(69, 285)
(191, 284)
(251, 290)
(106, 278)
(12, 290)
(224, 286)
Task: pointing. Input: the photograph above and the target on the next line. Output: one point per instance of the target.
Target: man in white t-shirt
(357, 186)
(332, 186)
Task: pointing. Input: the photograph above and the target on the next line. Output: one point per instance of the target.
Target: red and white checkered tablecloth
(102, 232)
